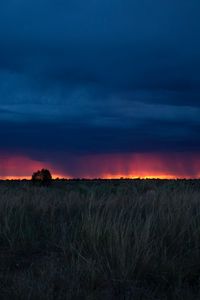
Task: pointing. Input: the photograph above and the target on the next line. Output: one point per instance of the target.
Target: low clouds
(88, 119)
(24, 100)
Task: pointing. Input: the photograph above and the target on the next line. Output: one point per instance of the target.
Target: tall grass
(128, 239)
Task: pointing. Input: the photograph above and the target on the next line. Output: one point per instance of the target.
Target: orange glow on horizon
(107, 166)
(104, 176)
(54, 176)
(156, 176)
(23, 167)
(142, 165)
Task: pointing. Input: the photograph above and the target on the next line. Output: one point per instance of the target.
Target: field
(100, 239)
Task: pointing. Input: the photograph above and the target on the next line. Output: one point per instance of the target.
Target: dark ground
(100, 239)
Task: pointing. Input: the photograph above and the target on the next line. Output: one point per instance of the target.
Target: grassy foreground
(119, 239)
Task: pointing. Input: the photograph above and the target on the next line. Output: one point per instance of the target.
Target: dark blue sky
(81, 78)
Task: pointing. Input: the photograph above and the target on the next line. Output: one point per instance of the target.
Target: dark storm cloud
(99, 76)
(118, 44)
(79, 139)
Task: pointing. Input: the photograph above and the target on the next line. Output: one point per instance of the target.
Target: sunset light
(99, 149)
(107, 166)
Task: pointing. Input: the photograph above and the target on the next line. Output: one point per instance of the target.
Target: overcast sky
(81, 79)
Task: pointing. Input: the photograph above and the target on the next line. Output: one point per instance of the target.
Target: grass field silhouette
(100, 239)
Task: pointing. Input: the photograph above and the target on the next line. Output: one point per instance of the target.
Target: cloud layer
(99, 77)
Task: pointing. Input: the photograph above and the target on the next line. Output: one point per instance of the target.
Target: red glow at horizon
(142, 165)
(108, 166)
(20, 167)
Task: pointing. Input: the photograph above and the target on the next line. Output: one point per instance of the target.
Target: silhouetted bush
(42, 177)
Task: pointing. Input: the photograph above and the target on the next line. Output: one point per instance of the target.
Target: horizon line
(15, 178)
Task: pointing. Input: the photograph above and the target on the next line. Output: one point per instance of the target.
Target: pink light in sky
(143, 165)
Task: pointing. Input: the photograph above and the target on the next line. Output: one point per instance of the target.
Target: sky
(100, 88)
